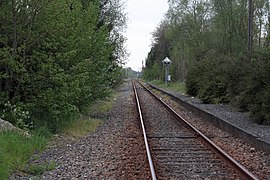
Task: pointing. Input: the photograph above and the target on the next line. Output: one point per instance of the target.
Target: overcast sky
(144, 16)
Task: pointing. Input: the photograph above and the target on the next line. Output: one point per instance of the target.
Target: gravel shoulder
(114, 151)
(229, 114)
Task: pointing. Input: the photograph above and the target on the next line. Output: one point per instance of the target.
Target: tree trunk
(260, 31)
(250, 18)
(14, 22)
(268, 25)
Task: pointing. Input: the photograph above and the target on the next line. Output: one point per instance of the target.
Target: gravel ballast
(238, 123)
(177, 152)
(258, 162)
(114, 151)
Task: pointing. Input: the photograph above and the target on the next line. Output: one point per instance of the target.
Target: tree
(56, 57)
(220, 49)
(160, 50)
(250, 17)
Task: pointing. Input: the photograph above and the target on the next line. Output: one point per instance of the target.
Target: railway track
(175, 149)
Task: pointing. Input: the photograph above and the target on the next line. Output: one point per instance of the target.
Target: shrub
(237, 75)
(242, 82)
(16, 114)
(208, 79)
(192, 81)
(257, 89)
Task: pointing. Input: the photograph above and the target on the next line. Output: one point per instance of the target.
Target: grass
(16, 149)
(81, 127)
(174, 86)
(38, 169)
(101, 107)
(91, 119)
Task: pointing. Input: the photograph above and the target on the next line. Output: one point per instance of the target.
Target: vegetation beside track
(16, 149)
(175, 86)
(210, 51)
(93, 117)
(57, 58)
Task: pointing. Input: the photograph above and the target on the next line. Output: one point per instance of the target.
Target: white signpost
(167, 62)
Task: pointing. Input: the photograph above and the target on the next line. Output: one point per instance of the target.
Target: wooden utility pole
(250, 18)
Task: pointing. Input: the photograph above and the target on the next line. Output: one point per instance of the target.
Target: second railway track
(177, 152)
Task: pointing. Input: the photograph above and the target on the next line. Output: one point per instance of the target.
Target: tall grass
(174, 86)
(16, 149)
(81, 127)
(92, 117)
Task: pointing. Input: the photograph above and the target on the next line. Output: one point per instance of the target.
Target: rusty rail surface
(152, 169)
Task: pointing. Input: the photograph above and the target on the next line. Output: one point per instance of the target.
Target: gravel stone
(257, 162)
(176, 151)
(114, 151)
(229, 114)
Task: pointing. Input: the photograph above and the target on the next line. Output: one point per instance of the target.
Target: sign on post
(166, 62)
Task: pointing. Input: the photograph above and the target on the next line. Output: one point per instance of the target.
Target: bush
(15, 114)
(208, 79)
(260, 108)
(239, 69)
(60, 73)
(256, 92)
(153, 73)
(192, 80)
(242, 82)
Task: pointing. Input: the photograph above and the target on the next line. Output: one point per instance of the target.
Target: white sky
(143, 18)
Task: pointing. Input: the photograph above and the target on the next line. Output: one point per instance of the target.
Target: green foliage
(260, 107)
(39, 169)
(16, 115)
(153, 73)
(159, 51)
(42, 131)
(90, 119)
(81, 127)
(241, 82)
(207, 43)
(175, 86)
(208, 80)
(15, 150)
(129, 73)
(57, 57)
(178, 86)
(255, 93)
(101, 106)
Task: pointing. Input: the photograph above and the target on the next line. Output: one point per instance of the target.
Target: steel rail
(241, 170)
(152, 169)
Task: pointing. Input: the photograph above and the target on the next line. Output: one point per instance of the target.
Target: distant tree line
(129, 73)
(209, 44)
(57, 57)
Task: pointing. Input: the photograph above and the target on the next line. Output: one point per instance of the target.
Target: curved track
(178, 150)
